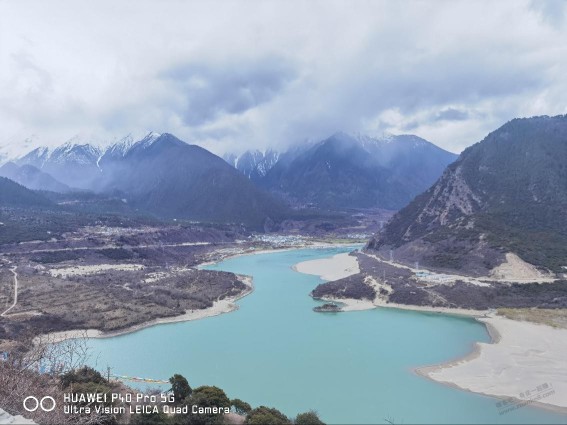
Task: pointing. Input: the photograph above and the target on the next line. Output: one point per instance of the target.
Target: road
(13, 270)
(95, 248)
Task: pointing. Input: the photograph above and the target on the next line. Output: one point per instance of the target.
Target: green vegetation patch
(116, 253)
(55, 257)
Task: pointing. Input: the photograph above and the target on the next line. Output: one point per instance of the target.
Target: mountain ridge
(13, 194)
(345, 171)
(32, 178)
(162, 175)
(506, 193)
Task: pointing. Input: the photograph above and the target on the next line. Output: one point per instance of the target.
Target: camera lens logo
(47, 403)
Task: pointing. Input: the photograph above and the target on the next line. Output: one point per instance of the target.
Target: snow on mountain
(71, 152)
(36, 157)
(122, 146)
(77, 161)
(358, 171)
(117, 150)
(17, 146)
(253, 164)
(79, 149)
(148, 139)
(369, 142)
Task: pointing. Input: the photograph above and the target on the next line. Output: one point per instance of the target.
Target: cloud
(254, 74)
(550, 11)
(451, 114)
(212, 90)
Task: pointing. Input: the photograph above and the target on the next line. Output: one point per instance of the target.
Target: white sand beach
(349, 304)
(521, 358)
(337, 267)
(223, 254)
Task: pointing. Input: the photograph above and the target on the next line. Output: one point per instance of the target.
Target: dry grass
(551, 317)
(110, 301)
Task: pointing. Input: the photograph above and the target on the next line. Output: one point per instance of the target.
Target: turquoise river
(353, 367)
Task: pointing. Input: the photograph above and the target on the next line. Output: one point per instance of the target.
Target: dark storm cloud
(451, 114)
(209, 90)
(448, 114)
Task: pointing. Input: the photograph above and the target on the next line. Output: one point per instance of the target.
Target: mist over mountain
(32, 178)
(158, 174)
(118, 150)
(507, 193)
(13, 194)
(357, 171)
(74, 163)
(165, 176)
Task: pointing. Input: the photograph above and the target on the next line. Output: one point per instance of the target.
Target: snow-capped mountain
(119, 149)
(358, 171)
(253, 164)
(17, 146)
(77, 150)
(347, 170)
(158, 174)
(74, 163)
(78, 162)
(70, 153)
(386, 145)
(170, 178)
(148, 140)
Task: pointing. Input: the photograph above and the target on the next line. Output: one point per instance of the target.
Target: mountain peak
(150, 138)
(121, 147)
(254, 164)
(76, 150)
(84, 139)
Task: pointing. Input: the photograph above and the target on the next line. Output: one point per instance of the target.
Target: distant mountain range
(349, 171)
(162, 175)
(74, 163)
(507, 193)
(166, 176)
(158, 174)
(13, 194)
(32, 178)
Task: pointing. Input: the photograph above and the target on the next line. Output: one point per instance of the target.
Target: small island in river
(327, 308)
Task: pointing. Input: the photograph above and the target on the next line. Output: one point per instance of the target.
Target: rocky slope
(507, 193)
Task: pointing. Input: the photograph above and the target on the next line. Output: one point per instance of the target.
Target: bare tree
(34, 369)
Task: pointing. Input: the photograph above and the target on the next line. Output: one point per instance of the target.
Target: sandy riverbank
(343, 265)
(238, 252)
(337, 267)
(219, 307)
(521, 358)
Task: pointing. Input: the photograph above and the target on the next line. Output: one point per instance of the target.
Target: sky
(237, 75)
